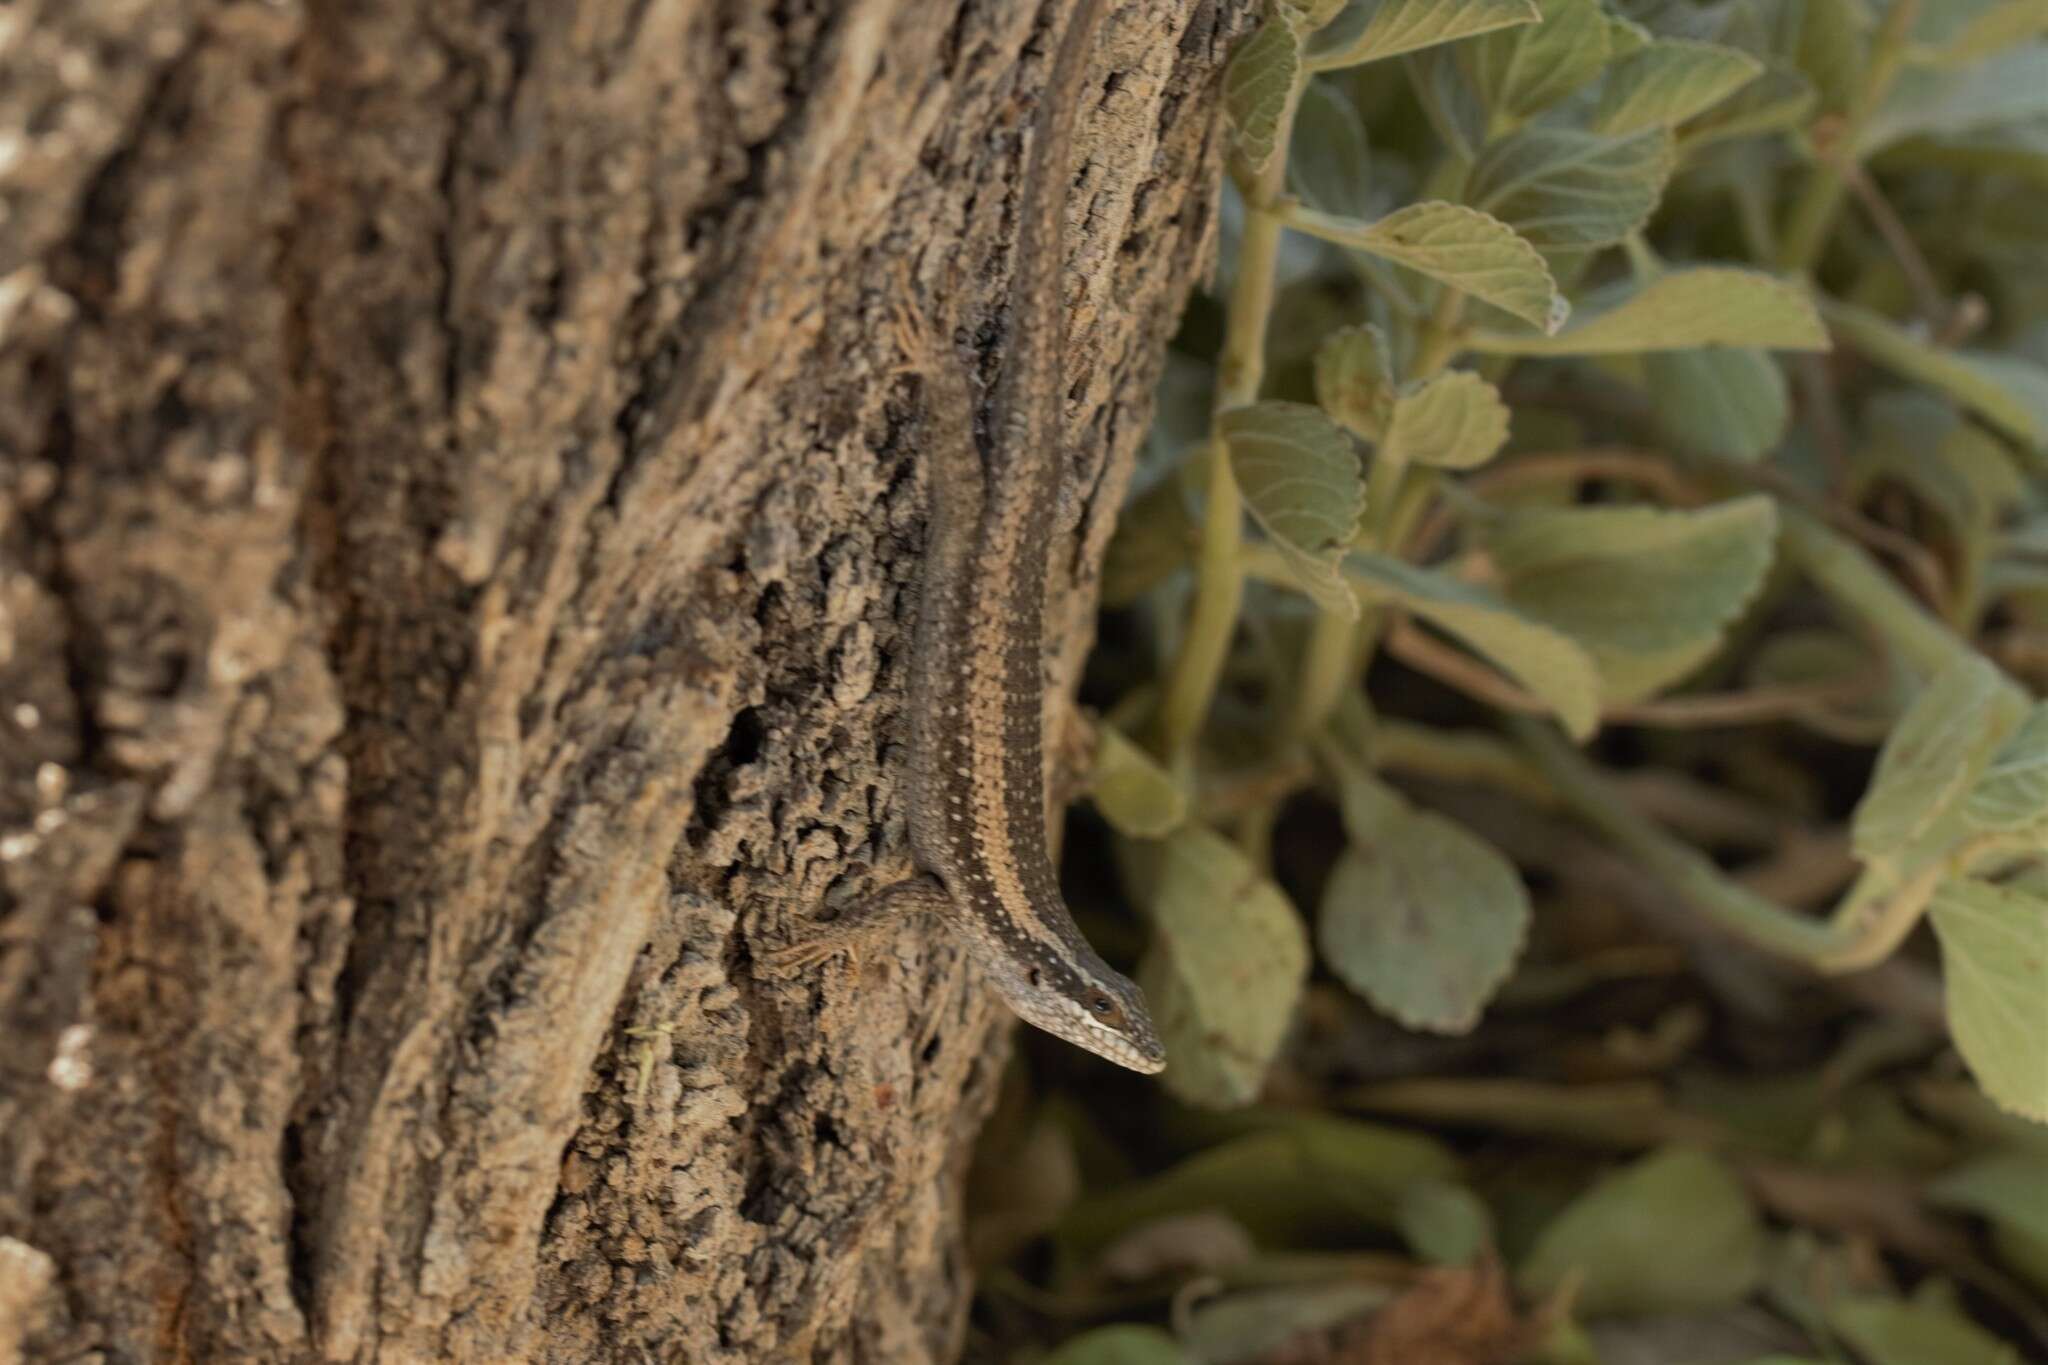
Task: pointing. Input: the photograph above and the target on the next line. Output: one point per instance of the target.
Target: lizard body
(977, 781)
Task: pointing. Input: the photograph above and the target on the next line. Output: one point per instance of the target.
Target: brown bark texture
(458, 518)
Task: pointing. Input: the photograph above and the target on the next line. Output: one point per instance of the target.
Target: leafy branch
(1361, 487)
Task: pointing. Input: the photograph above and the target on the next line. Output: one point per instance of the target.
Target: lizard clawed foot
(854, 926)
(811, 952)
(922, 334)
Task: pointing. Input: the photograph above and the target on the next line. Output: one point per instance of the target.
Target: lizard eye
(1103, 1006)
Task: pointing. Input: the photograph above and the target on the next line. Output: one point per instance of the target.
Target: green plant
(1522, 380)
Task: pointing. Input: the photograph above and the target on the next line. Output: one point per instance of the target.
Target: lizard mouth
(1142, 1054)
(1150, 1064)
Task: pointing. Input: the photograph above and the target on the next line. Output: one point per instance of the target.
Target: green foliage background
(1605, 504)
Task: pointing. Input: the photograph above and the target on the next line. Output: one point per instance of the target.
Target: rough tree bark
(455, 516)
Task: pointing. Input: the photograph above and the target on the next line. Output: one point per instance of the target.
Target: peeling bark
(455, 516)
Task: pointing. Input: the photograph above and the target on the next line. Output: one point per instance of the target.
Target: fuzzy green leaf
(2010, 1188)
(1375, 29)
(2029, 538)
(1447, 100)
(1626, 37)
(1931, 757)
(1355, 379)
(1247, 1326)
(1667, 82)
(1543, 660)
(1301, 483)
(1328, 161)
(1618, 1240)
(1834, 44)
(1444, 1222)
(1908, 430)
(1925, 1330)
(1457, 246)
(1422, 918)
(1957, 33)
(1989, 468)
(2013, 792)
(1683, 310)
(1256, 88)
(1519, 72)
(1122, 1344)
(1636, 578)
(1139, 798)
(1563, 190)
(2001, 91)
(1453, 420)
(1311, 15)
(1295, 1178)
(1368, 30)
(1781, 98)
(1154, 538)
(1728, 401)
(1647, 592)
(1957, 471)
(1180, 414)
(1226, 964)
(2009, 391)
(2020, 151)
(1628, 677)
(1822, 655)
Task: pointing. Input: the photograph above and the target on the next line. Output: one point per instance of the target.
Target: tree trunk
(456, 508)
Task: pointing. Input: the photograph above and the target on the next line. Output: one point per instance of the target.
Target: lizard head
(1091, 1005)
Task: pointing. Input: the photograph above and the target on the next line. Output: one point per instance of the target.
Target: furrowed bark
(454, 546)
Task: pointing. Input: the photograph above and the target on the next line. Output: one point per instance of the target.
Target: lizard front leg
(919, 895)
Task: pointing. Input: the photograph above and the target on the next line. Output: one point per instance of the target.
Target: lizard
(977, 795)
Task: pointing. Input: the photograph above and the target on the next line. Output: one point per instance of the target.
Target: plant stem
(1467, 757)
(1219, 591)
(1416, 498)
(1690, 873)
(1852, 938)
(1867, 925)
(1441, 338)
(1877, 913)
(1338, 649)
(1382, 498)
(1241, 368)
(1813, 216)
(1840, 569)
(1329, 664)
(1912, 262)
